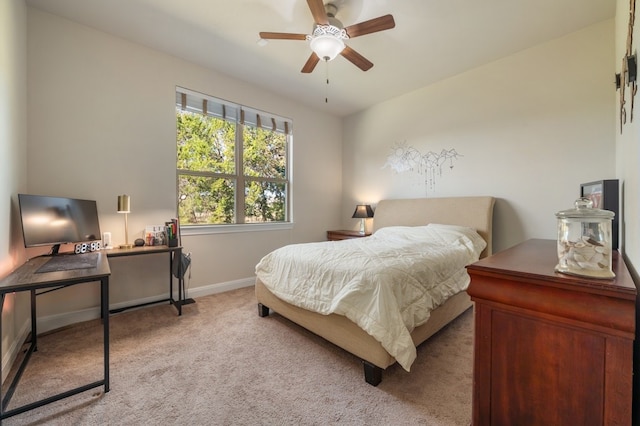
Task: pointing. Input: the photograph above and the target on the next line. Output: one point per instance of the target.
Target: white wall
(13, 141)
(628, 144)
(102, 123)
(530, 128)
(627, 165)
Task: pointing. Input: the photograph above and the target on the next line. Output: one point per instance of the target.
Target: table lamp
(124, 206)
(363, 211)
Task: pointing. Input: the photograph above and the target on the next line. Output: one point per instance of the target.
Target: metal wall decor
(405, 158)
(628, 73)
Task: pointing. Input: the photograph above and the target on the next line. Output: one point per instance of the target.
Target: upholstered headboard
(474, 212)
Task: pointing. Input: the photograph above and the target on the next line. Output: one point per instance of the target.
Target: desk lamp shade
(363, 211)
(124, 206)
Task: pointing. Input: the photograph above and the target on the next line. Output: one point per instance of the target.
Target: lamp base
(126, 246)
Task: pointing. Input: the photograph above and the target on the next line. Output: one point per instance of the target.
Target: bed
(423, 215)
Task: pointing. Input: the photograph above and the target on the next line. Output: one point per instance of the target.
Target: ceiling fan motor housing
(331, 10)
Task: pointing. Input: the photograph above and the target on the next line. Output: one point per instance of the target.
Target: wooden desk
(27, 278)
(175, 253)
(550, 349)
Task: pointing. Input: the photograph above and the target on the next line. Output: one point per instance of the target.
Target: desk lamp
(363, 211)
(124, 206)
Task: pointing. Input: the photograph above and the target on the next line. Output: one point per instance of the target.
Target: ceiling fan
(327, 39)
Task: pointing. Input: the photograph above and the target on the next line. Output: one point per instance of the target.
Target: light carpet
(221, 364)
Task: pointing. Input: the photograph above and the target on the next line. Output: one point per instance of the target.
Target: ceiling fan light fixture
(327, 41)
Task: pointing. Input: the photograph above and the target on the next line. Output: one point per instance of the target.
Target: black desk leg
(104, 301)
(170, 277)
(34, 319)
(4, 403)
(176, 256)
(180, 272)
(183, 296)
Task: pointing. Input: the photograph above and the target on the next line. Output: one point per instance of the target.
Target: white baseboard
(53, 322)
(219, 288)
(16, 346)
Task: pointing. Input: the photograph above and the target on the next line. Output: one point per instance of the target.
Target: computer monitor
(57, 220)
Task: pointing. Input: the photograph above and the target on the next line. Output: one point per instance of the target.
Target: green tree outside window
(230, 170)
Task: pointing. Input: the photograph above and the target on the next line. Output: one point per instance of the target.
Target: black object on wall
(632, 68)
(605, 195)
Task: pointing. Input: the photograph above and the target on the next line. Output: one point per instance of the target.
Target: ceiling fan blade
(357, 59)
(318, 12)
(311, 63)
(282, 36)
(381, 23)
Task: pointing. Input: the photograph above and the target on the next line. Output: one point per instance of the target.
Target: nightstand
(344, 235)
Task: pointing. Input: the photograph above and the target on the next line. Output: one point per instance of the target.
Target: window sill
(189, 230)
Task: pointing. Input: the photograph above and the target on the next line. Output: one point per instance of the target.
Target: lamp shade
(124, 204)
(363, 211)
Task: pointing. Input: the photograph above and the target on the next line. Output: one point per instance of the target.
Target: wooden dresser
(550, 349)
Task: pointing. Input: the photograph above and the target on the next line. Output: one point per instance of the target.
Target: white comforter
(387, 283)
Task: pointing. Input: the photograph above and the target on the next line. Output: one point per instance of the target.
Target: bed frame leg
(372, 373)
(263, 311)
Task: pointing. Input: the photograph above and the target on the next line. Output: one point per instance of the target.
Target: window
(232, 162)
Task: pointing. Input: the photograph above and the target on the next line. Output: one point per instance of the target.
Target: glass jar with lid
(584, 241)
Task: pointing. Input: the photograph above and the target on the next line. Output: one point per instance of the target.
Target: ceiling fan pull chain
(326, 93)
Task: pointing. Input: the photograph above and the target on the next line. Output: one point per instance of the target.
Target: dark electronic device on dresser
(56, 220)
(604, 194)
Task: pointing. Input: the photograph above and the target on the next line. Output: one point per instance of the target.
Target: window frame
(240, 120)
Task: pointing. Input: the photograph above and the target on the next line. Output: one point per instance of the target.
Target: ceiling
(432, 39)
